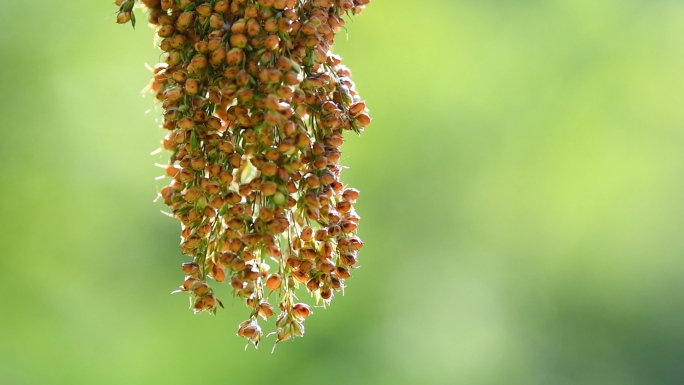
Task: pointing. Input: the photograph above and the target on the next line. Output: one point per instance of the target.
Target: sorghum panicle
(255, 105)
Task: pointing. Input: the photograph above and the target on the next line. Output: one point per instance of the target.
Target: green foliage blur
(522, 204)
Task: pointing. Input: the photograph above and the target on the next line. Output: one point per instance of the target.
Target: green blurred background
(522, 204)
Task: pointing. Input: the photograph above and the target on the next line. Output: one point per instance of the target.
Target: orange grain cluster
(256, 106)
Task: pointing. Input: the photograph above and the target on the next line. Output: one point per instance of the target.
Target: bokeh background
(522, 204)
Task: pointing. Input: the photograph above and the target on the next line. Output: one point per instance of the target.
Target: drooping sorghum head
(255, 106)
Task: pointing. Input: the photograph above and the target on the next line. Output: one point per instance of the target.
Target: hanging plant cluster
(255, 106)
